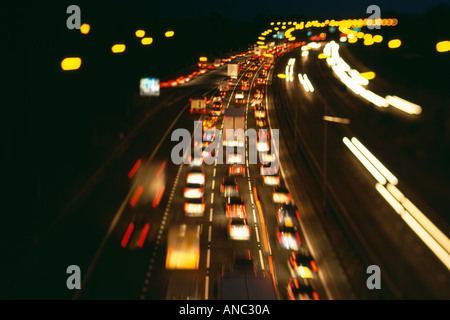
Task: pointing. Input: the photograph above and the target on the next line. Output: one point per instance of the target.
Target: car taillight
(315, 296)
(298, 238)
(279, 237)
(314, 266)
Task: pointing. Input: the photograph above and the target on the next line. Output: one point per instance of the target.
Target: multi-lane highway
(116, 228)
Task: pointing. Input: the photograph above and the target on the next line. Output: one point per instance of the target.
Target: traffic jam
(238, 103)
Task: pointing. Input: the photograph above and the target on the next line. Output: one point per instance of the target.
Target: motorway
(380, 237)
(116, 230)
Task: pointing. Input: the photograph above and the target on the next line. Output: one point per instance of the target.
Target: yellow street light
(443, 46)
(377, 38)
(395, 43)
(118, 48)
(139, 33)
(146, 41)
(71, 63)
(169, 34)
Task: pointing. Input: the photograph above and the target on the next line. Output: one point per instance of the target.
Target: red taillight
(314, 266)
(298, 216)
(279, 237)
(185, 207)
(315, 296)
(298, 238)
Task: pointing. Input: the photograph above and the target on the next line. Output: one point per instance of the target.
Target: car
(263, 144)
(282, 195)
(196, 176)
(237, 156)
(209, 135)
(216, 111)
(273, 180)
(267, 157)
(261, 80)
(261, 122)
(288, 237)
(287, 215)
(207, 152)
(209, 122)
(235, 207)
(268, 169)
(194, 207)
(217, 104)
(236, 169)
(239, 97)
(238, 229)
(216, 98)
(301, 291)
(193, 190)
(263, 134)
(260, 112)
(256, 103)
(229, 187)
(195, 160)
(301, 264)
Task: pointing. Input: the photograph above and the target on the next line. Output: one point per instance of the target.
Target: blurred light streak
(158, 196)
(378, 165)
(389, 198)
(375, 173)
(368, 75)
(134, 169)
(143, 235)
(136, 196)
(437, 234)
(441, 253)
(161, 169)
(336, 119)
(127, 235)
(404, 105)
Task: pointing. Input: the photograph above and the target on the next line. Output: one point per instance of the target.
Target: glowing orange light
(85, 28)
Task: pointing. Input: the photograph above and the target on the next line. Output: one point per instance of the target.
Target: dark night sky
(238, 10)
